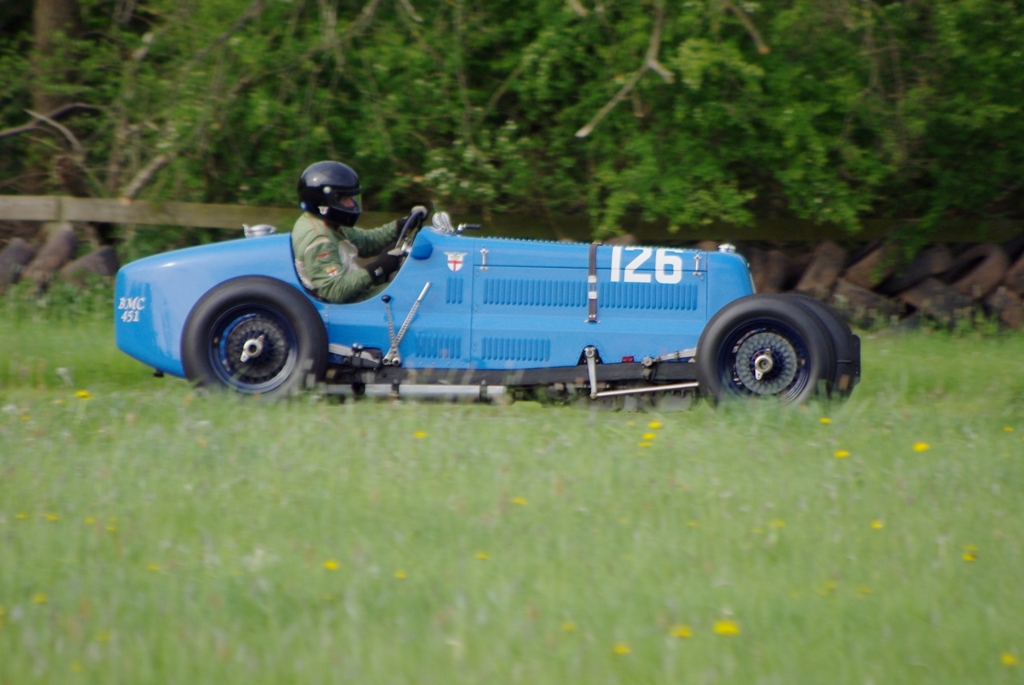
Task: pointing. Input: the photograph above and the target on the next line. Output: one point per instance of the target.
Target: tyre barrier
(55, 253)
(863, 307)
(1014, 277)
(823, 271)
(977, 271)
(939, 301)
(929, 262)
(14, 258)
(877, 264)
(1007, 305)
(877, 287)
(769, 269)
(21, 261)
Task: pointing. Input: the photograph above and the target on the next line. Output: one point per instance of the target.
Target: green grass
(154, 534)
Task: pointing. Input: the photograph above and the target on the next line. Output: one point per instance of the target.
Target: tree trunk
(49, 18)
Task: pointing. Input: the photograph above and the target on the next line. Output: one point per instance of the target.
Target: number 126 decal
(668, 265)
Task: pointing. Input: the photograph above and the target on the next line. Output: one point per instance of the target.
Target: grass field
(150, 534)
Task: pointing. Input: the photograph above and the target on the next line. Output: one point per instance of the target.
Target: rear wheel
(764, 346)
(844, 374)
(257, 336)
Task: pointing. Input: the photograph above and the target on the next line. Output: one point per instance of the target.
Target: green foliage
(831, 111)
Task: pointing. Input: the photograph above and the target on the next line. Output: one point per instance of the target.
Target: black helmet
(323, 188)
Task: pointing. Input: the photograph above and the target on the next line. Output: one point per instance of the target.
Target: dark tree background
(836, 111)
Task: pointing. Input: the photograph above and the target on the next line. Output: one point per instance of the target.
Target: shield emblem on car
(455, 260)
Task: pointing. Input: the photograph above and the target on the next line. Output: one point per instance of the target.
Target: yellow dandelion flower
(921, 446)
(111, 527)
(400, 575)
(568, 627)
(842, 454)
(828, 588)
(26, 417)
(682, 631)
(877, 525)
(825, 420)
(51, 517)
(21, 516)
(103, 636)
(76, 666)
(419, 435)
(482, 555)
(89, 520)
(648, 437)
(778, 523)
(692, 524)
(83, 395)
(1008, 659)
(521, 501)
(863, 590)
(726, 626)
(332, 565)
(39, 598)
(1008, 429)
(644, 444)
(621, 648)
(970, 556)
(153, 567)
(654, 425)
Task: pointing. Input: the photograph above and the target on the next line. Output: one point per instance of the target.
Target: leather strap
(592, 283)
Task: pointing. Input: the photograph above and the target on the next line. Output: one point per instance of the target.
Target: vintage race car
(483, 316)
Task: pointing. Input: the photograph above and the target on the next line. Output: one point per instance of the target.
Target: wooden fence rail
(52, 208)
(145, 212)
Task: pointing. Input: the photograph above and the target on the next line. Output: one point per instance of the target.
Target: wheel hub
(766, 363)
(763, 364)
(251, 349)
(254, 350)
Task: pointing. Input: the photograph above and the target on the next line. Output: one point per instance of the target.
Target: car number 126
(668, 265)
(130, 308)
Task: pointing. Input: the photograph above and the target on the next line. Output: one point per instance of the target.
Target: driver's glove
(383, 266)
(416, 214)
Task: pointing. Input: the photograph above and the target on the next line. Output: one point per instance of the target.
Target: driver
(325, 241)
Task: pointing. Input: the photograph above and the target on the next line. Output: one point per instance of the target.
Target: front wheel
(256, 336)
(760, 346)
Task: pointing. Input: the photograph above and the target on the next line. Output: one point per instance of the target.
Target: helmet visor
(342, 200)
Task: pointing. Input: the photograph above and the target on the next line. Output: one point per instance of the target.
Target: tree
(55, 23)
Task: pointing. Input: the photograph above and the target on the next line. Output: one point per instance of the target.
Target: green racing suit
(325, 257)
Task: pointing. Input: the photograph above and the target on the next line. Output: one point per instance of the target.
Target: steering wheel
(403, 245)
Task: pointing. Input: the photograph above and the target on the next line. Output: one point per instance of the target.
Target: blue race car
(482, 316)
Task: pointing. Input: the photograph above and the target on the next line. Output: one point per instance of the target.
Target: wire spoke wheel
(253, 350)
(256, 336)
(766, 361)
(765, 346)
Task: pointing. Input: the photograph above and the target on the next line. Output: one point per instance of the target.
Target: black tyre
(764, 345)
(257, 336)
(845, 372)
(929, 262)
